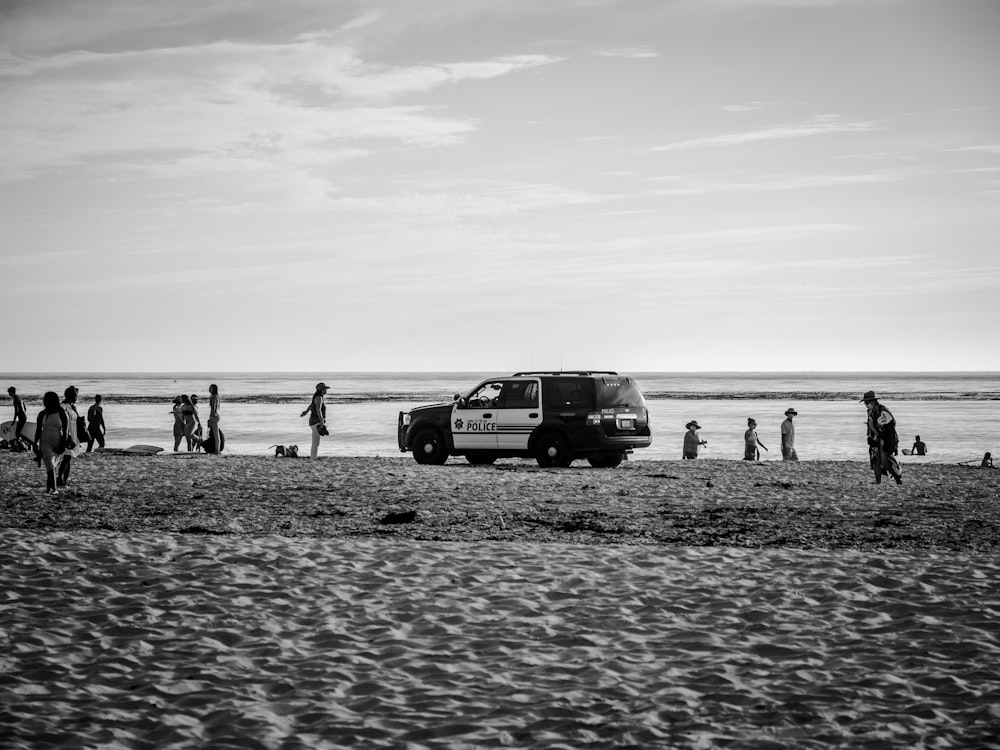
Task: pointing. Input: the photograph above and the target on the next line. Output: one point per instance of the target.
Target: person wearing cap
(317, 417)
(751, 442)
(788, 437)
(883, 441)
(692, 440)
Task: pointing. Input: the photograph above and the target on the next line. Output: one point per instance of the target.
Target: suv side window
(485, 396)
(573, 393)
(519, 394)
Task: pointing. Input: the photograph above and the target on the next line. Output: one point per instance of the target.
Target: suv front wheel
(552, 449)
(429, 447)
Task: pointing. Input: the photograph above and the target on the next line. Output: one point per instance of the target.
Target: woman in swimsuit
(50, 437)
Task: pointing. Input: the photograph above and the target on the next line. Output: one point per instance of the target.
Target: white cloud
(298, 103)
(819, 125)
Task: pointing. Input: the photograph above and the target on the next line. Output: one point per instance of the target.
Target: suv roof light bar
(565, 372)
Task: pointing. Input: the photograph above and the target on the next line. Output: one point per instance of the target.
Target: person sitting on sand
(692, 440)
(919, 447)
(883, 442)
(987, 461)
(751, 442)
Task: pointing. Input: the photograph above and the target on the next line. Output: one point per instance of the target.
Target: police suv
(553, 417)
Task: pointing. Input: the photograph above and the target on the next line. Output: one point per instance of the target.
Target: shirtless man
(20, 417)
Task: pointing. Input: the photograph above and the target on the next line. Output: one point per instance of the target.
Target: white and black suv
(553, 417)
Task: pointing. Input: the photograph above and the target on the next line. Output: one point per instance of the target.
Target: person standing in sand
(188, 421)
(198, 432)
(95, 425)
(692, 440)
(73, 430)
(51, 436)
(751, 442)
(178, 422)
(883, 441)
(788, 437)
(214, 432)
(20, 417)
(317, 418)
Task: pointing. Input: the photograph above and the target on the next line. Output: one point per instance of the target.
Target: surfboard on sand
(133, 450)
(7, 430)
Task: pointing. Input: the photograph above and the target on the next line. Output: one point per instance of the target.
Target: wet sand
(277, 603)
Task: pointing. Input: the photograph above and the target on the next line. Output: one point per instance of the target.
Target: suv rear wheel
(429, 447)
(552, 449)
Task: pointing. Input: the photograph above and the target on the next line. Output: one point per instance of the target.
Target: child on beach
(751, 442)
(692, 440)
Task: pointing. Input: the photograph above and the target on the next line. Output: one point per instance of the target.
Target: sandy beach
(279, 603)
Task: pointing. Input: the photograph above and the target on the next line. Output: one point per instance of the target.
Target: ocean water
(956, 414)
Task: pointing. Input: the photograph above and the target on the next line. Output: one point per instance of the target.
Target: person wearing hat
(883, 441)
(692, 440)
(788, 437)
(751, 442)
(317, 418)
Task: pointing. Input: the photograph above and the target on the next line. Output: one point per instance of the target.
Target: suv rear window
(576, 393)
(618, 392)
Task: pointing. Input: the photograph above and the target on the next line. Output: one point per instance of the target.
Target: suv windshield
(618, 392)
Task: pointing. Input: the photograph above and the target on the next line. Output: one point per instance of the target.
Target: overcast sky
(491, 185)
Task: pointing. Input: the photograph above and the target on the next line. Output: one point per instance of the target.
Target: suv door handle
(533, 415)
(487, 416)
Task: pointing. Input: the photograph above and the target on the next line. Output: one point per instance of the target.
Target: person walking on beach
(919, 447)
(20, 417)
(883, 441)
(692, 440)
(215, 437)
(51, 436)
(751, 442)
(95, 425)
(317, 418)
(178, 413)
(74, 428)
(788, 437)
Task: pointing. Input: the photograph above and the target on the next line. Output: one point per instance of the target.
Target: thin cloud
(629, 53)
(819, 125)
(778, 182)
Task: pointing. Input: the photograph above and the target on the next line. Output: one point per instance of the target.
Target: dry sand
(253, 602)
